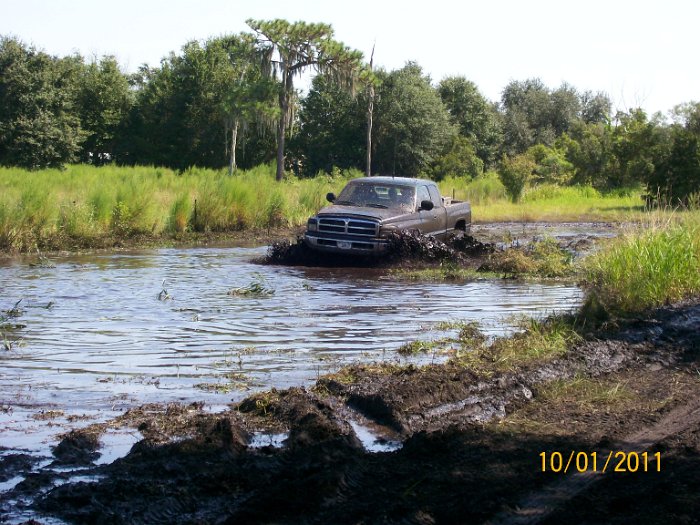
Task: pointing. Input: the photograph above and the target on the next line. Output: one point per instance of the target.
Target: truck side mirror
(330, 197)
(426, 205)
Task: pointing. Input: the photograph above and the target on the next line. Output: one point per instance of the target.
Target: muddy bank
(471, 443)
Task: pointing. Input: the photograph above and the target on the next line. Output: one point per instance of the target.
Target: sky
(641, 53)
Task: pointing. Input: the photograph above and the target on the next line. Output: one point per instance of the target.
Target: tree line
(231, 102)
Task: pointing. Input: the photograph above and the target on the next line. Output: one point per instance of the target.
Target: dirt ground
(472, 445)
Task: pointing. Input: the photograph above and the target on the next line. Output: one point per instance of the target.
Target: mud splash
(404, 248)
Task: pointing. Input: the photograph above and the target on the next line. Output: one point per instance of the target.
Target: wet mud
(470, 444)
(404, 249)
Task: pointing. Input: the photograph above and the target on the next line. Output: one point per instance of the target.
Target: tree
(527, 115)
(676, 177)
(534, 114)
(413, 126)
(595, 107)
(331, 125)
(551, 165)
(459, 161)
(38, 124)
(247, 95)
(635, 144)
(515, 173)
(478, 120)
(189, 109)
(103, 99)
(288, 49)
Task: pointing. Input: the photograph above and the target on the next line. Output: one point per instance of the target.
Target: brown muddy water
(98, 334)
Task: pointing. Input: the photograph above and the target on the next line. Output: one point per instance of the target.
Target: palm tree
(288, 49)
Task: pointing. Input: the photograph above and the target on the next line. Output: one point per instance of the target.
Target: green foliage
(412, 125)
(288, 49)
(478, 120)
(551, 165)
(103, 101)
(459, 161)
(331, 128)
(38, 127)
(515, 173)
(635, 146)
(534, 114)
(676, 177)
(589, 149)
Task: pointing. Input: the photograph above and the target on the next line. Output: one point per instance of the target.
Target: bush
(515, 173)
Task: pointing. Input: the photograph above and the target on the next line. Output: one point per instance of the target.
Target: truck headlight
(385, 231)
(312, 225)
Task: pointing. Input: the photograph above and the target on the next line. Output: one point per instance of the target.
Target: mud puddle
(103, 334)
(194, 466)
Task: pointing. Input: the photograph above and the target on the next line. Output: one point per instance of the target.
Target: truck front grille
(348, 226)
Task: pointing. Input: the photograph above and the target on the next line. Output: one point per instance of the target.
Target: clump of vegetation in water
(539, 340)
(421, 347)
(541, 258)
(257, 288)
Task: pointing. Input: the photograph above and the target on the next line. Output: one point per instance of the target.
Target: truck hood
(378, 214)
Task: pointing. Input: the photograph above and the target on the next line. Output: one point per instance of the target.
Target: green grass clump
(258, 287)
(541, 258)
(539, 341)
(421, 347)
(648, 268)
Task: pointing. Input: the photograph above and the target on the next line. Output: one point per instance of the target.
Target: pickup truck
(360, 220)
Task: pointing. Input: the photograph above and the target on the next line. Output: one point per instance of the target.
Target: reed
(653, 264)
(89, 206)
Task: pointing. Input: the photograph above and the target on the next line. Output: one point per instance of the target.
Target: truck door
(433, 222)
(439, 212)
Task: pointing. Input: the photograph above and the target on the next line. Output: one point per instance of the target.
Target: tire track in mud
(542, 504)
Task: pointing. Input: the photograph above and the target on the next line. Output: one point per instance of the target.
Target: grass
(648, 267)
(258, 287)
(586, 391)
(88, 206)
(539, 340)
(421, 347)
(545, 202)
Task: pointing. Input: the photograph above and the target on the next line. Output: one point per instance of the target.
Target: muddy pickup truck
(367, 211)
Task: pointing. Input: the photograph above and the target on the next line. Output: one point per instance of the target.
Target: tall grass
(546, 202)
(89, 206)
(649, 267)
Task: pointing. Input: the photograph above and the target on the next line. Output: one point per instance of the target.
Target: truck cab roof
(408, 181)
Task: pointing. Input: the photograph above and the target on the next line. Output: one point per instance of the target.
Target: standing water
(102, 333)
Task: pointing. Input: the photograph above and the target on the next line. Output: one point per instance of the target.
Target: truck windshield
(368, 193)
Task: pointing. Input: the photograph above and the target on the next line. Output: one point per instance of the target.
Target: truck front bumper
(347, 245)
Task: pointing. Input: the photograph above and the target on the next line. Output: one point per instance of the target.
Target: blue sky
(641, 53)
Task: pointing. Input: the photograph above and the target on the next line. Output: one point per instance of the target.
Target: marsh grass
(538, 340)
(648, 266)
(547, 203)
(542, 258)
(52, 209)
